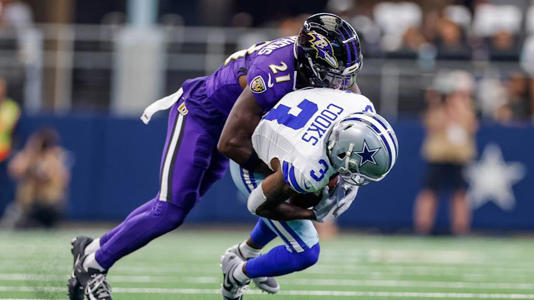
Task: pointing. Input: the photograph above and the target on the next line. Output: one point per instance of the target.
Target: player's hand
(350, 192)
(323, 208)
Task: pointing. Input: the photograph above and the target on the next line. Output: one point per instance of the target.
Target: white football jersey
(295, 131)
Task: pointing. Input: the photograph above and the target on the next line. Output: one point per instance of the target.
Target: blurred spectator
(503, 46)
(291, 26)
(42, 180)
(451, 41)
(491, 94)
(412, 40)
(448, 147)
(430, 25)
(517, 108)
(15, 14)
(9, 116)
(394, 19)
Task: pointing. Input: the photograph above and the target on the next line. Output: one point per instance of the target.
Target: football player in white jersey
(309, 138)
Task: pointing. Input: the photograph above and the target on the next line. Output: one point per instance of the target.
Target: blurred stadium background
(88, 68)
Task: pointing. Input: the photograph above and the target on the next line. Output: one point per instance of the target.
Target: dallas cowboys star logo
(492, 178)
(367, 154)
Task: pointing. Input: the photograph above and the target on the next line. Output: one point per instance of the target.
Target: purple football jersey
(270, 70)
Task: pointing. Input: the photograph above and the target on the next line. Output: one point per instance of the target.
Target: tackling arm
(235, 141)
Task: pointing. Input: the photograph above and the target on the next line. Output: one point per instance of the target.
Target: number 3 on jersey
(282, 116)
(319, 175)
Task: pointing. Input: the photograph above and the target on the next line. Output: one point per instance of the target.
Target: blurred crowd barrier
(90, 67)
(115, 167)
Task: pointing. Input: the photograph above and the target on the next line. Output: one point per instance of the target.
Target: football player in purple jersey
(211, 119)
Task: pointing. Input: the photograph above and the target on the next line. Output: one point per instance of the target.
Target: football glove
(328, 201)
(349, 194)
(336, 200)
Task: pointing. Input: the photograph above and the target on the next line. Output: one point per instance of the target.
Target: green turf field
(185, 265)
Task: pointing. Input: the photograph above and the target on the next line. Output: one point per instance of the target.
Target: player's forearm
(276, 191)
(285, 212)
(241, 151)
(236, 137)
(235, 148)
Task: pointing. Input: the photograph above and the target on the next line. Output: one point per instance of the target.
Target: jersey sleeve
(366, 104)
(269, 82)
(300, 180)
(295, 179)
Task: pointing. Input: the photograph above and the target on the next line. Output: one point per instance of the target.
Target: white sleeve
(295, 178)
(301, 179)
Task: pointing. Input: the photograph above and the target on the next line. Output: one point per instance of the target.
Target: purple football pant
(189, 166)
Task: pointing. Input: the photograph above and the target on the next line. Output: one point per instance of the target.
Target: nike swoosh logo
(269, 82)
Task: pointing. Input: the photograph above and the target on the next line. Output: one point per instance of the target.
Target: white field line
(290, 292)
(423, 270)
(322, 266)
(461, 261)
(371, 273)
(387, 283)
(524, 267)
(434, 256)
(379, 255)
(303, 282)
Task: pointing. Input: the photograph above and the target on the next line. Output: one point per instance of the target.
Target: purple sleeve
(269, 83)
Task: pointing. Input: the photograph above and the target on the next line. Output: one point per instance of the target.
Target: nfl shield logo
(257, 85)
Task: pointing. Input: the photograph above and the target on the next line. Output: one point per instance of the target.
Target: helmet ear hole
(341, 155)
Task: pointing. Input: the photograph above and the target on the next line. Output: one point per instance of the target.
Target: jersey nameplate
(321, 123)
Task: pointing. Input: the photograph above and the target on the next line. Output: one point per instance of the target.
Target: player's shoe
(78, 245)
(266, 284)
(93, 281)
(231, 288)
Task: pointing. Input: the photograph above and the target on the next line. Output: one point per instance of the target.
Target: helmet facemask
(349, 172)
(327, 77)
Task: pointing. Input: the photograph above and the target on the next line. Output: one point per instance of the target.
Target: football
(333, 181)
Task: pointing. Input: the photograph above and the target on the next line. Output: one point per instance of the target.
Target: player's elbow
(227, 147)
